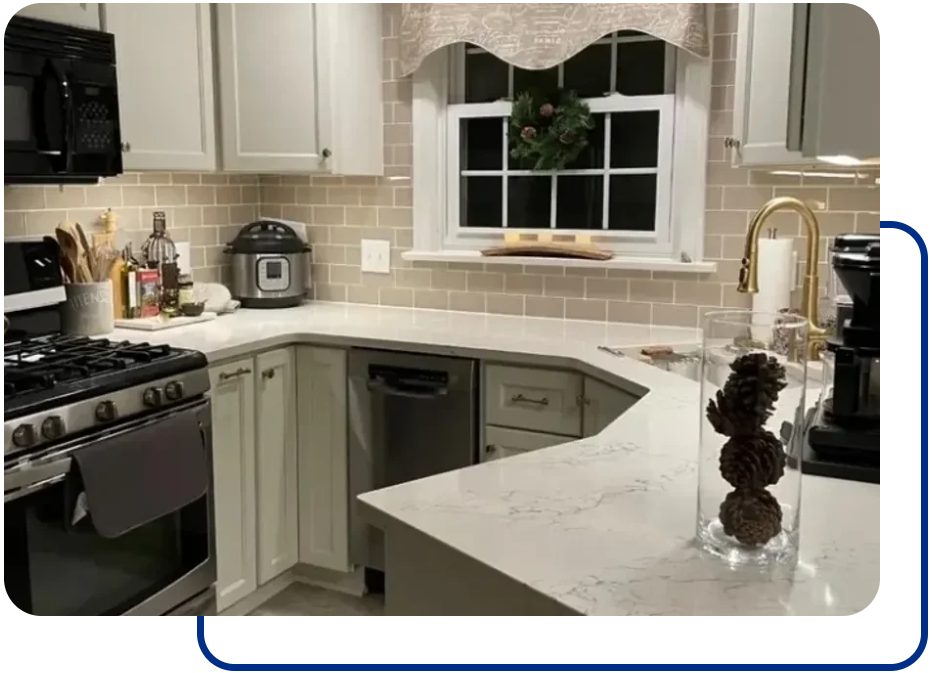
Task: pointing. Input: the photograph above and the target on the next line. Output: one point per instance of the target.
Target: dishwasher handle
(401, 389)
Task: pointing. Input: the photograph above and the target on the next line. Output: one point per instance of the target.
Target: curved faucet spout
(747, 276)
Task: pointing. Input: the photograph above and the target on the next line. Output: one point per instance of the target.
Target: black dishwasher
(410, 416)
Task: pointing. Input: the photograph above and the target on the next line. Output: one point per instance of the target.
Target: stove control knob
(105, 411)
(174, 390)
(24, 436)
(152, 397)
(53, 427)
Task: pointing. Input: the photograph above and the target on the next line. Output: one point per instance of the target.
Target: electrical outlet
(376, 256)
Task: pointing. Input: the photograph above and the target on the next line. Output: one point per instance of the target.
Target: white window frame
(679, 228)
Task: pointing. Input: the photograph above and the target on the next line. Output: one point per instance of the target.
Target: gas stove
(57, 386)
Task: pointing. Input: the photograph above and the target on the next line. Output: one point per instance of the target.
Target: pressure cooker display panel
(273, 274)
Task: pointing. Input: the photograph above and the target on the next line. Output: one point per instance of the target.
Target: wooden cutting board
(549, 249)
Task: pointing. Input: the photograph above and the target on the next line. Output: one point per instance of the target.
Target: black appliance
(107, 490)
(61, 119)
(845, 438)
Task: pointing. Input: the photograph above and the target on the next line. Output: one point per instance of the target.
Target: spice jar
(185, 290)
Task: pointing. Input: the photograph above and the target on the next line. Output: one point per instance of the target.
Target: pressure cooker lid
(269, 237)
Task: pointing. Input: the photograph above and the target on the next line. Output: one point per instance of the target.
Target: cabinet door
(349, 69)
(81, 14)
(322, 458)
(542, 400)
(602, 405)
(504, 442)
(841, 108)
(234, 457)
(762, 85)
(165, 75)
(276, 464)
(268, 86)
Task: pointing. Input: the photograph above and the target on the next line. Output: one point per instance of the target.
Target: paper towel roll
(775, 276)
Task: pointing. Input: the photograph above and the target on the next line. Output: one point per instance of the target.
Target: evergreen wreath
(549, 129)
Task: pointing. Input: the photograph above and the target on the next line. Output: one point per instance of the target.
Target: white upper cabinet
(300, 87)
(81, 14)
(762, 85)
(839, 45)
(165, 77)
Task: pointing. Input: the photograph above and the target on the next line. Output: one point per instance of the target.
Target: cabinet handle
(226, 376)
(268, 373)
(543, 401)
(583, 401)
(732, 142)
(126, 147)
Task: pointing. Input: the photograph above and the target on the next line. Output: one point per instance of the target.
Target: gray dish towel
(144, 474)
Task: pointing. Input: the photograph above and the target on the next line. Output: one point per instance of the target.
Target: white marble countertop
(603, 525)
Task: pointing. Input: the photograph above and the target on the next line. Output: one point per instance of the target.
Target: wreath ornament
(551, 129)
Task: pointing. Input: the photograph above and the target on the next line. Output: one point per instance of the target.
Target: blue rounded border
(924, 579)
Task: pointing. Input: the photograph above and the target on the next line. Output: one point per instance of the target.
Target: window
(620, 191)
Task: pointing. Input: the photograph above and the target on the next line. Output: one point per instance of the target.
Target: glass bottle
(752, 429)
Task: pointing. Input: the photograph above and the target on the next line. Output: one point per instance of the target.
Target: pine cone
(752, 461)
(528, 133)
(747, 400)
(751, 516)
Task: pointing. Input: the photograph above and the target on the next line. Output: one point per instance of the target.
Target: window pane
(481, 142)
(543, 81)
(634, 139)
(481, 202)
(529, 202)
(589, 72)
(641, 68)
(632, 202)
(593, 155)
(486, 77)
(579, 202)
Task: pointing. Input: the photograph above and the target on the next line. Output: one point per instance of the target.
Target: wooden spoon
(69, 248)
(88, 251)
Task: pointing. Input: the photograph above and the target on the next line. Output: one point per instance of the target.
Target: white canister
(88, 308)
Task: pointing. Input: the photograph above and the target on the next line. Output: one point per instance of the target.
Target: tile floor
(301, 599)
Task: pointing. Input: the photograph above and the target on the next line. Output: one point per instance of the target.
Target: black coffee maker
(845, 439)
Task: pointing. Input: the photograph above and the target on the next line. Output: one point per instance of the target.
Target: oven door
(36, 112)
(55, 563)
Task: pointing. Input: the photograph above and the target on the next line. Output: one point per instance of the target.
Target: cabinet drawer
(504, 442)
(543, 400)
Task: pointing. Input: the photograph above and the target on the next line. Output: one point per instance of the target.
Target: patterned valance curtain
(536, 36)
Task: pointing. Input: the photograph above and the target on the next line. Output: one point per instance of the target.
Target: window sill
(628, 263)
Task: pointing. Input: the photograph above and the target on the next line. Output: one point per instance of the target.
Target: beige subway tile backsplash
(208, 210)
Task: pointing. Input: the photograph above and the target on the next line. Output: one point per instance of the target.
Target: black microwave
(61, 117)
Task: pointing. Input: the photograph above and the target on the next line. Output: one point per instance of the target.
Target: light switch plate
(376, 256)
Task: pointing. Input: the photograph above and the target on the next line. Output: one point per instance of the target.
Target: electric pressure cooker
(271, 265)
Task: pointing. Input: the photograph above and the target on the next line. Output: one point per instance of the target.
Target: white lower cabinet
(602, 404)
(233, 415)
(276, 464)
(322, 458)
(255, 472)
(504, 442)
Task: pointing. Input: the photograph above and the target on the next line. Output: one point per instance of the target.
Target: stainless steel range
(107, 466)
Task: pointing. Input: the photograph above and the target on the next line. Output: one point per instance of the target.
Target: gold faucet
(747, 278)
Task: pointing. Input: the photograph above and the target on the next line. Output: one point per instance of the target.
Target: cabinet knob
(732, 143)
(268, 373)
(583, 401)
(126, 147)
(326, 153)
(490, 449)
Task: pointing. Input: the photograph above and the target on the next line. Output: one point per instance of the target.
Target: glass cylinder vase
(753, 385)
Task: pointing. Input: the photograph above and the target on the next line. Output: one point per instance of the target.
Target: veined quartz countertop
(603, 525)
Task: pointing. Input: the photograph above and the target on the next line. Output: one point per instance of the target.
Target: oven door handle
(39, 477)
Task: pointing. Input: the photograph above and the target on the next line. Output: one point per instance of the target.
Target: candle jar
(753, 402)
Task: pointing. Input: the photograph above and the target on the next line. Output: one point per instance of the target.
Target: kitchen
(410, 354)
